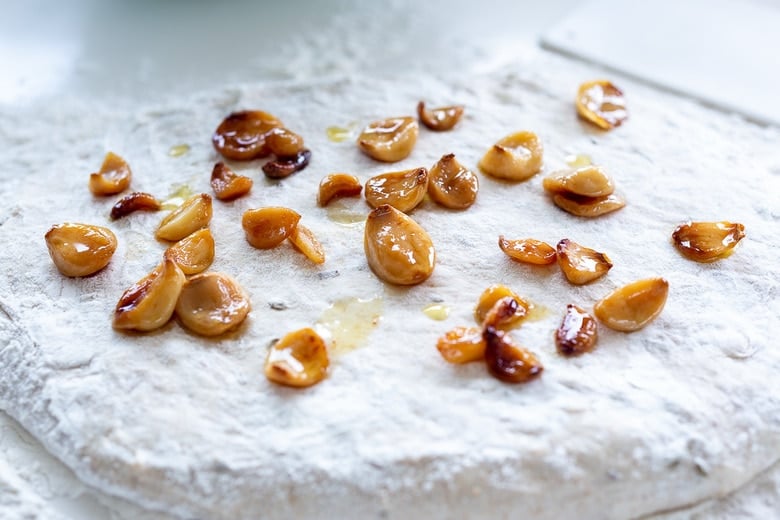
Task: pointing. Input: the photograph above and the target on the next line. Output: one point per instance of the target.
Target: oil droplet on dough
(579, 160)
(536, 312)
(176, 197)
(344, 215)
(178, 150)
(437, 311)
(349, 321)
(339, 134)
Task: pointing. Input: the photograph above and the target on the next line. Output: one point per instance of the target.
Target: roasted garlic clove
(283, 167)
(149, 304)
(588, 181)
(528, 250)
(462, 345)
(283, 142)
(80, 249)
(580, 264)
(266, 228)
(503, 311)
(114, 176)
(304, 241)
(336, 185)
(439, 119)
(578, 332)
(398, 249)
(299, 359)
(516, 157)
(403, 190)
(241, 135)
(193, 253)
(211, 304)
(194, 214)
(507, 360)
(227, 184)
(601, 103)
(451, 185)
(136, 201)
(633, 306)
(588, 207)
(389, 140)
(491, 296)
(707, 241)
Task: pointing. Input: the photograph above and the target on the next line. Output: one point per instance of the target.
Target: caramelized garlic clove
(516, 157)
(283, 167)
(588, 207)
(194, 214)
(631, 307)
(601, 103)
(211, 304)
(303, 239)
(707, 241)
(578, 332)
(508, 361)
(337, 185)
(462, 345)
(241, 135)
(136, 201)
(403, 190)
(389, 140)
(283, 142)
(114, 176)
(397, 248)
(80, 249)
(528, 250)
(266, 228)
(451, 185)
(490, 297)
(299, 359)
(439, 119)
(149, 304)
(588, 181)
(227, 184)
(193, 253)
(579, 264)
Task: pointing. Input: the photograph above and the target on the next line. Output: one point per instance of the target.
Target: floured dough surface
(686, 409)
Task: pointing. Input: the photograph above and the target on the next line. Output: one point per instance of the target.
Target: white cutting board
(723, 52)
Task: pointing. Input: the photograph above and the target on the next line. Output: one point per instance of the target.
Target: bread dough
(684, 410)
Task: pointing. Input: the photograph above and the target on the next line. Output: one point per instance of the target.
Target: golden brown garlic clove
(588, 181)
(579, 264)
(403, 190)
(266, 228)
(601, 103)
(707, 241)
(451, 185)
(211, 304)
(508, 361)
(578, 332)
(241, 135)
(462, 345)
(80, 249)
(194, 214)
(397, 248)
(389, 140)
(193, 253)
(227, 184)
(491, 296)
(589, 207)
(149, 303)
(283, 142)
(336, 185)
(299, 359)
(136, 201)
(114, 176)
(516, 157)
(303, 239)
(439, 119)
(528, 250)
(282, 167)
(633, 306)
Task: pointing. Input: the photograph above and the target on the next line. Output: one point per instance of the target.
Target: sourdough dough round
(686, 409)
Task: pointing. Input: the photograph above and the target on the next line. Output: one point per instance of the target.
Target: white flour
(686, 409)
